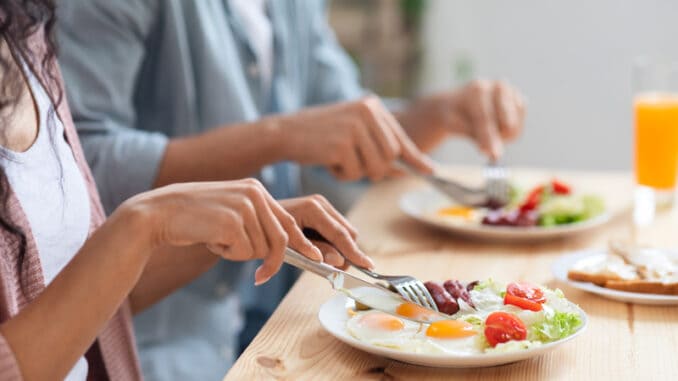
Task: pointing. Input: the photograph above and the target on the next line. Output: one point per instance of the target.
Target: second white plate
(422, 204)
(564, 263)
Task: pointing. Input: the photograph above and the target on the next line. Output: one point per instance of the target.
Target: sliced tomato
(523, 303)
(525, 296)
(560, 187)
(527, 291)
(501, 327)
(532, 200)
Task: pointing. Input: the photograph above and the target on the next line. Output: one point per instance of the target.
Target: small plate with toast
(629, 274)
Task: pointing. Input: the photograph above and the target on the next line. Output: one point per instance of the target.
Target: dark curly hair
(19, 20)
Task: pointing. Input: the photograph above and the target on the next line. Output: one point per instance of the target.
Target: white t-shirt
(252, 14)
(53, 195)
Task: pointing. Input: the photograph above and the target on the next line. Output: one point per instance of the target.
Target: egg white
(401, 339)
(458, 346)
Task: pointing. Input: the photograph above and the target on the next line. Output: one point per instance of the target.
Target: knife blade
(372, 295)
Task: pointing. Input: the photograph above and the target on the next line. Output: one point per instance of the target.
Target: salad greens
(557, 318)
(548, 204)
(555, 327)
(567, 209)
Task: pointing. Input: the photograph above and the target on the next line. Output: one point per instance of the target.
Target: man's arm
(103, 47)
(101, 53)
(334, 77)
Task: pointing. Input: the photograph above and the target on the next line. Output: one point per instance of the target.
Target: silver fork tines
(410, 288)
(497, 186)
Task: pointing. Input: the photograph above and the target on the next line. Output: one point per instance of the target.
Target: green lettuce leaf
(555, 327)
(559, 210)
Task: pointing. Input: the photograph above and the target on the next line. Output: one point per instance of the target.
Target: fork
(410, 288)
(497, 185)
(495, 193)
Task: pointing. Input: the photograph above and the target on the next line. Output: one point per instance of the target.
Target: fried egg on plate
(460, 214)
(451, 337)
(379, 328)
(441, 337)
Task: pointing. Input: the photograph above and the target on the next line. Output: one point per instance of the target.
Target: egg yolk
(457, 211)
(450, 329)
(381, 321)
(415, 311)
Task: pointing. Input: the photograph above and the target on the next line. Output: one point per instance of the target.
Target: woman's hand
(489, 112)
(352, 139)
(316, 213)
(237, 220)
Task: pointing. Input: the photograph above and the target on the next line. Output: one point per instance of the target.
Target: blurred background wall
(572, 60)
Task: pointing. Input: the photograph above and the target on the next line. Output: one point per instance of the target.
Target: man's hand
(352, 139)
(489, 112)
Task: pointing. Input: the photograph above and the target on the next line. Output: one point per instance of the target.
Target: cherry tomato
(525, 296)
(501, 327)
(560, 187)
(532, 200)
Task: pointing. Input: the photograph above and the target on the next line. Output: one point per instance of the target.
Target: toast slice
(653, 265)
(601, 269)
(599, 279)
(630, 268)
(643, 286)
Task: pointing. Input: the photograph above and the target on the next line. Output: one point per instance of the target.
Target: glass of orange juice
(655, 106)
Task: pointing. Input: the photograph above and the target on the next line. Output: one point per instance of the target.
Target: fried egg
(379, 328)
(441, 337)
(450, 337)
(460, 214)
(415, 311)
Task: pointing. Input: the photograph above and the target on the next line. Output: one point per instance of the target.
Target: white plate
(333, 317)
(423, 204)
(564, 263)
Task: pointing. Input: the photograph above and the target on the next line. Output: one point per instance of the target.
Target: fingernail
(319, 253)
(497, 151)
(258, 280)
(370, 262)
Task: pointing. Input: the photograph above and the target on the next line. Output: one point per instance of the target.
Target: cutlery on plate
(410, 288)
(495, 193)
(372, 295)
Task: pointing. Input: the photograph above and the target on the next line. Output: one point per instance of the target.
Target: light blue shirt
(141, 71)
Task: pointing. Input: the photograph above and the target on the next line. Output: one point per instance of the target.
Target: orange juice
(656, 130)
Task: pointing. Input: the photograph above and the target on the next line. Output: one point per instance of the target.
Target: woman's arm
(50, 334)
(237, 220)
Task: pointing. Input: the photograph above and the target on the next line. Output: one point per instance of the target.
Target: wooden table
(622, 342)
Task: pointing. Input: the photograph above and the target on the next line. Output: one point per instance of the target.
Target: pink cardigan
(112, 355)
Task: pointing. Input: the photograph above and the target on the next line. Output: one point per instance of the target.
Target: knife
(372, 295)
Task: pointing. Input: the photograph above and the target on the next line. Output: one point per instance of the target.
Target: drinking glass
(655, 105)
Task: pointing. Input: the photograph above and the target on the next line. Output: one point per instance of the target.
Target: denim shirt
(139, 72)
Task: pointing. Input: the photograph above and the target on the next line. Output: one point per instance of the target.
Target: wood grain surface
(622, 341)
